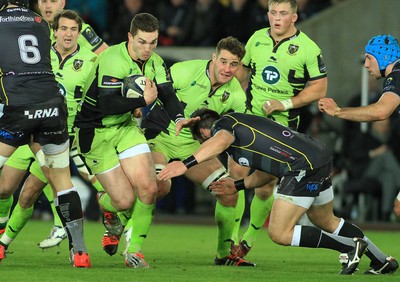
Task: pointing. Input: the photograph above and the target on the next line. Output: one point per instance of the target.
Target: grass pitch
(180, 253)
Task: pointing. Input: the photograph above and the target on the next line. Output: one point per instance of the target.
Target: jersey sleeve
(239, 97)
(223, 123)
(392, 83)
(314, 63)
(161, 71)
(89, 39)
(247, 56)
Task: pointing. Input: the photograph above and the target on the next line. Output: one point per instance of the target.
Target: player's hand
(185, 123)
(150, 92)
(224, 186)
(327, 105)
(271, 106)
(172, 170)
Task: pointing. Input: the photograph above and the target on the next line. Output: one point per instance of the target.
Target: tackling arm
(380, 110)
(208, 150)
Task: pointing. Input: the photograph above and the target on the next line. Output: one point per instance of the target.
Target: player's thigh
(141, 173)
(322, 216)
(199, 173)
(15, 169)
(97, 147)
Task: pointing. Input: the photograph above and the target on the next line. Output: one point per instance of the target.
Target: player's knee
(3, 161)
(396, 208)
(56, 156)
(227, 200)
(123, 204)
(215, 176)
(277, 236)
(163, 187)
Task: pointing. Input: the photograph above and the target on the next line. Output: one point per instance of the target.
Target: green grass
(180, 253)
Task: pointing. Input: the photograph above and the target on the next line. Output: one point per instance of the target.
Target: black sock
(313, 237)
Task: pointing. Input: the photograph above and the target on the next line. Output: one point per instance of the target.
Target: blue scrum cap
(385, 48)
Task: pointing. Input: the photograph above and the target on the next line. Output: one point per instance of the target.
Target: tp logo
(270, 75)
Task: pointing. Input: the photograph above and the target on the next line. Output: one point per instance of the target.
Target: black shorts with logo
(44, 123)
(306, 183)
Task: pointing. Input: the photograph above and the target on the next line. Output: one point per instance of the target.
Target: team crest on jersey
(77, 65)
(243, 161)
(38, 19)
(225, 96)
(292, 49)
(388, 81)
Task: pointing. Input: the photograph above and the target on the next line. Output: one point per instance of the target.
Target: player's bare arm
(208, 150)
(228, 186)
(380, 110)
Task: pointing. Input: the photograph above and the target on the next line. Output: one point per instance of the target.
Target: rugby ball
(133, 86)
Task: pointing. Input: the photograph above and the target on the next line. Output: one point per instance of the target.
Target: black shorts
(44, 123)
(306, 183)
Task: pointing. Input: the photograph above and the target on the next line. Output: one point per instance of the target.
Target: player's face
(224, 67)
(50, 8)
(205, 134)
(282, 19)
(371, 64)
(142, 45)
(67, 35)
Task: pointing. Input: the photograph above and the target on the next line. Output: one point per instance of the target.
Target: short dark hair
(145, 22)
(231, 44)
(69, 14)
(207, 119)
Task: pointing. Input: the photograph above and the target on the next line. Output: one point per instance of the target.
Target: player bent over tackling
(302, 163)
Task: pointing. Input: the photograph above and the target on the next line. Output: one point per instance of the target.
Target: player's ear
(295, 16)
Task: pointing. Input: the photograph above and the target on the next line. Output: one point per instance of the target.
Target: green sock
(128, 224)
(142, 217)
(225, 219)
(259, 211)
(125, 217)
(18, 219)
(48, 192)
(105, 203)
(5, 207)
(240, 205)
(98, 186)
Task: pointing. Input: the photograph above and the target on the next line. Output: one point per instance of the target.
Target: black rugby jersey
(392, 81)
(26, 76)
(268, 146)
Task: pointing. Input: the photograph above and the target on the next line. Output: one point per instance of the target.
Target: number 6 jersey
(26, 76)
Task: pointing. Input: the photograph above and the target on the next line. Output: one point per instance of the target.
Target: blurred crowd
(185, 22)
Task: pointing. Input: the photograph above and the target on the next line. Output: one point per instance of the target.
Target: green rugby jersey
(88, 38)
(192, 85)
(112, 66)
(280, 71)
(71, 75)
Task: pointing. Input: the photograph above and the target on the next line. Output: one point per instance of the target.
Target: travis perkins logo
(45, 113)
